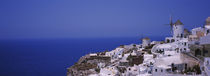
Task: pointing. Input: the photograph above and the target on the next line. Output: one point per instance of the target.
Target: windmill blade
(170, 24)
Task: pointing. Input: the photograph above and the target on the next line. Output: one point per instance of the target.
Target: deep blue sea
(51, 57)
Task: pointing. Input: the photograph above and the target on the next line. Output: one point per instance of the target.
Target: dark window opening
(168, 41)
(181, 35)
(197, 52)
(172, 40)
(185, 65)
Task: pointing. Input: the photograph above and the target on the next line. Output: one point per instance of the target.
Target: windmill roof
(146, 38)
(208, 21)
(178, 22)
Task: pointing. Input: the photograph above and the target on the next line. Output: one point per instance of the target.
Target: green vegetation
(121, 69)
(85, 66)
(122, 46)
(149, 47)
(195, 68)
(135, 60)
(134, 45)
(97, 70)
(149, 52)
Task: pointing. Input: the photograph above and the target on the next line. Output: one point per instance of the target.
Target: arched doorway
(168, 41)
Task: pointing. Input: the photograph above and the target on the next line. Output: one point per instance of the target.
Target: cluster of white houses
(181, 43)
(171, 57)
(167, 59)
(200, 41)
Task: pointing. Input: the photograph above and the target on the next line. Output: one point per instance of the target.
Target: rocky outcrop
(88, 65)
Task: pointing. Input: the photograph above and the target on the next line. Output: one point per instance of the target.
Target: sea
(52, 57)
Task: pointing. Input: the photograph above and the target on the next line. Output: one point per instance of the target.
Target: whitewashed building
(178, 32)
(145, 42)
(207, 65)
(163, 65)
(207, 26)
(132, 71)
(108, 71)
(117, 53)
(205, 39)
(178, 29)
(183, 45)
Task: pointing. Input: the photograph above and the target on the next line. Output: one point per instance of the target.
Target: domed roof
(146, 38)
(178, 22)
(208, 21)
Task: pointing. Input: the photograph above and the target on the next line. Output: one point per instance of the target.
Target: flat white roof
(208, 27)
(168, 45)
(146, 74)
(164, 62)
(184, 40)
(164, 46)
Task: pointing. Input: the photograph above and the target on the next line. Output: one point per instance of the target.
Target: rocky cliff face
(113, 61)
(88, 65)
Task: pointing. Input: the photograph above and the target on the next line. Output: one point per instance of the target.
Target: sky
(97, 18)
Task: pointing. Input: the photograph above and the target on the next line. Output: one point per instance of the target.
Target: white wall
(207, 65)
(145, 42)
(178, 30)
(158, 72)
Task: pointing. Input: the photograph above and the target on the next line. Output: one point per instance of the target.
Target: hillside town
(185, 53)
